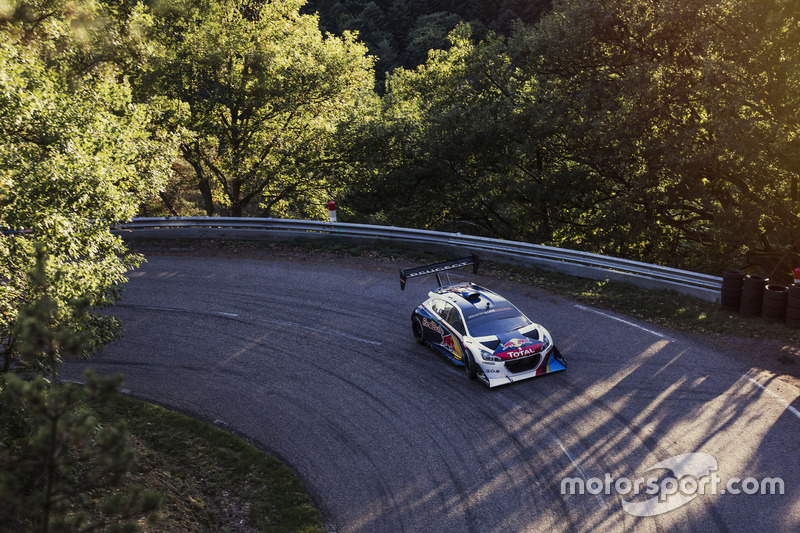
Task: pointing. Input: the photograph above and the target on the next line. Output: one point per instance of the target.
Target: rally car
(480, 330)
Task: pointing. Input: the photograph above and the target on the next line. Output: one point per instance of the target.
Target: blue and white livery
(480, 330)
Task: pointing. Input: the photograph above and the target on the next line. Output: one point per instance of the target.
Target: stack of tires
(793, 306)
(773, 308)
(752, 295)
(732, 282)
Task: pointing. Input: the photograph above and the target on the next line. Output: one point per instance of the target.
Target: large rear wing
(438, 268)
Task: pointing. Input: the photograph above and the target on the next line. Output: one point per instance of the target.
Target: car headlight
(489, 356)
(546, 343)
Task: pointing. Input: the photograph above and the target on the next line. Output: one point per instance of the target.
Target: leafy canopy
(265, 90)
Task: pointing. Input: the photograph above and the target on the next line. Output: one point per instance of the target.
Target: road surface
(313, 360)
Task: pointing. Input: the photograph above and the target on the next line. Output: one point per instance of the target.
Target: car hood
(514, 345)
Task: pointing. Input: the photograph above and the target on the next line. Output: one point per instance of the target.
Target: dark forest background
(401, 32)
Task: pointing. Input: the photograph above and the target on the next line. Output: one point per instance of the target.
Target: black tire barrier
(793, 306)
(794, 295)
(773, 307)
(733, 279)
(732, 283)
(752, 295)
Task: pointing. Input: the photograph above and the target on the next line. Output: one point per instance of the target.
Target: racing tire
(794, 291)
(470, 367)
(416, 327)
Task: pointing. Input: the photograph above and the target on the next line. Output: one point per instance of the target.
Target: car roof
(468, 296)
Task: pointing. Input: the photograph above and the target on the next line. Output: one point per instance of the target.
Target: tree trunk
(208, 200)
(202, 180)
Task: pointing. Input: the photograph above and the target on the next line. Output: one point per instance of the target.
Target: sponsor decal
(423, 271)
(488, 311)
(449, 343)
(433, 325)
(544, 367)
(513, 343)
(518, 348)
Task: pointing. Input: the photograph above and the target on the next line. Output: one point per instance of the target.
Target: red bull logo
(430, 324)
(517, 348)
(449, 343)
(512, 344)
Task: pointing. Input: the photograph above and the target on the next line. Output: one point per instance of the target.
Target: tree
(440, 154)
(76, 154)
(681, 114)
(264, 90)
(660, 131)
(429, 33)
(53, 454)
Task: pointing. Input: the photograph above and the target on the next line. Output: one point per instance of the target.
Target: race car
(480, 330)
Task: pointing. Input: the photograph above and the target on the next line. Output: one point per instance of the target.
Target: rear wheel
(470, 367)
(416, 326)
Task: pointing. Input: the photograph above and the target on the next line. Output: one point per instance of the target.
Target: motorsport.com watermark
(694, 474)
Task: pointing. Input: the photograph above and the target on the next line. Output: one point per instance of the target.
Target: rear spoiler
(437, 268)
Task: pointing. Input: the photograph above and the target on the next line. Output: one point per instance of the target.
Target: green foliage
(211, 480)
(400, 32)
(444, 147)
(429, 32)
(264, 90)
(50, 468)
(664, 132)
(669, 108)
(53, 452)
(76, 154)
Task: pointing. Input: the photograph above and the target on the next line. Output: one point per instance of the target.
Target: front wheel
(416, 327)
(470, 367)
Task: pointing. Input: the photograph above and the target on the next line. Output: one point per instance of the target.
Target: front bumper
(495, 374)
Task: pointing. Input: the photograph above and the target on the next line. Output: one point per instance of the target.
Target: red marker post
(797, 275)
(332, 212)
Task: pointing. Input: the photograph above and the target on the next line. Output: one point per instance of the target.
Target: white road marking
(580, 470)
(180, 310)
(511, 403)
(780, 400)
(656, 333)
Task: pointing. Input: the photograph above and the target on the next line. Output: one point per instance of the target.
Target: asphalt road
(313, 360)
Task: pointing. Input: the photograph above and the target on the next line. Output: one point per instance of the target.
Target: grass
(210, 480)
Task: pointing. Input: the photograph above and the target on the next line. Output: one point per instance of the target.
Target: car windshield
(493, 321)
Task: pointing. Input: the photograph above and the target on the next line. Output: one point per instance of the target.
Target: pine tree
(54, 455)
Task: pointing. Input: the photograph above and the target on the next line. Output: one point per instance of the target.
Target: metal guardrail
(581, 264)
